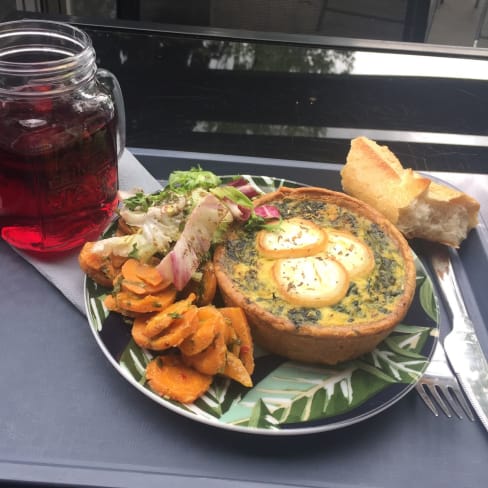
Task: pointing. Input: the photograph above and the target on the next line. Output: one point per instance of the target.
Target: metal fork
(439, 383)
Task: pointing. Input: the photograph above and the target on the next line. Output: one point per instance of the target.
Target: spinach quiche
(325, 283)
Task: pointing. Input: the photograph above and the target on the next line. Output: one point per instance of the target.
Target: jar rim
(49, 30)
(71, 47)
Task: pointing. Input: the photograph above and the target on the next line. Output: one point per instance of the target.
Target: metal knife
(461, 344)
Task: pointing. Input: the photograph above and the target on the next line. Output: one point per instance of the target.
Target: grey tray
(67, 417)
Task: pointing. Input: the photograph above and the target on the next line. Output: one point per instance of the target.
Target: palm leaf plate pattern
(289, 398)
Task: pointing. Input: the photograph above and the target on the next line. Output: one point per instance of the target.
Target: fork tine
(447, 392)
(440, 401)
(421, 391)
(462, 401)
(439, 388)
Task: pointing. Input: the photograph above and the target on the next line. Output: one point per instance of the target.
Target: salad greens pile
(180, 223)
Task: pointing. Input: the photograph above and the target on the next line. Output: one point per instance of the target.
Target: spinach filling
(367, 298)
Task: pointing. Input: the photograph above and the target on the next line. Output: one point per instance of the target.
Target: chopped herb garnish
(142, 201)
(186, 181)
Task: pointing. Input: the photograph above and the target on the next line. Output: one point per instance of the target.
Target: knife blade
(461, 343)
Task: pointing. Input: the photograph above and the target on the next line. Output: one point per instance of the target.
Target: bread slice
(418, 206)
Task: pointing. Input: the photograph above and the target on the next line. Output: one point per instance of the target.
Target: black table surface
(68, 418)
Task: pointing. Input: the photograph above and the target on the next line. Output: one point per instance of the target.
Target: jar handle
(111, 83)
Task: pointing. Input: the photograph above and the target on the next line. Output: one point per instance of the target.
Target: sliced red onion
(245, 213)
(267, 212)
(239, 212)
(195, 240)
(244, 187)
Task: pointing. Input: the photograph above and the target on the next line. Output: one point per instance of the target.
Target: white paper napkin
(64, 272)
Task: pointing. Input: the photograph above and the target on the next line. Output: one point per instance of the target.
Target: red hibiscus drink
(61, 131)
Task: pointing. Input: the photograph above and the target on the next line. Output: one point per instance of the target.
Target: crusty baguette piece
(418, 206)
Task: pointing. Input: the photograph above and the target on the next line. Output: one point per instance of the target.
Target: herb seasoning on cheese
(323, 265)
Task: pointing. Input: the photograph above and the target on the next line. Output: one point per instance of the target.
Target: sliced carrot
(137, 332)
(89, 259)
(134, 270)
(146, 303)
(168, 376)
(200, 339)
(141, 278)
(164, 319)
(238, 321)
(235, 370)
(233, 342)
(177, 332)
(208, 312)
(129, 269)
(205, 288)
(150, 275)
(208, 286)
(101, 269)
(117, 261)
(229, 332)
(142, 288)
(211, 360)
(136, 287)
(210, 324)
(111, 304)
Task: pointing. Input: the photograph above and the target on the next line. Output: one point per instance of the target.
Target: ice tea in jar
(62, 129)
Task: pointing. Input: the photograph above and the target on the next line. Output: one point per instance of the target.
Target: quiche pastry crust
(306, 340)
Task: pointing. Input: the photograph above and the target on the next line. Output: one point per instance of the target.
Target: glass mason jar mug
(62, 129)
